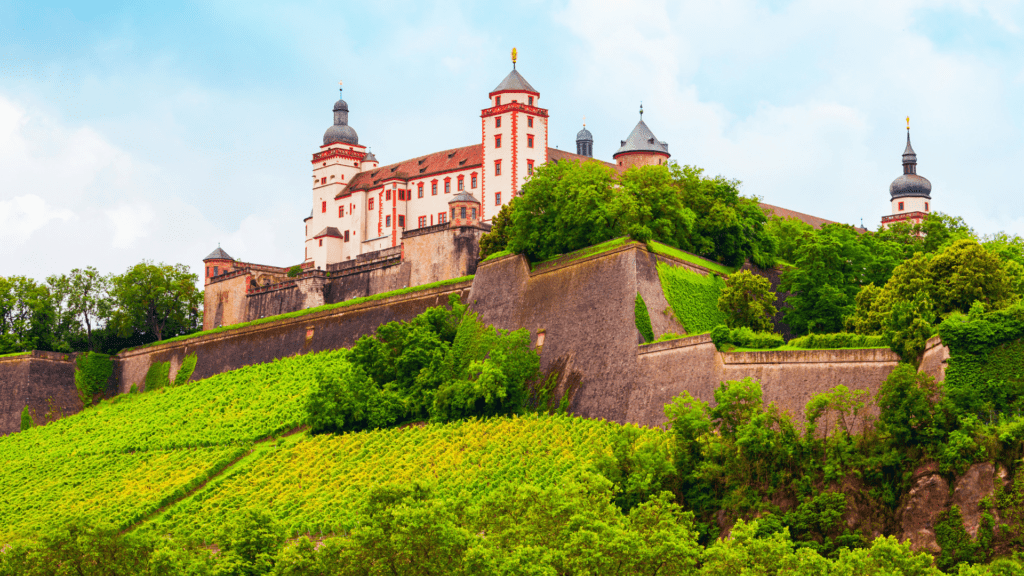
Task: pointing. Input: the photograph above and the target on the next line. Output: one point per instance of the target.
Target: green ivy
(188, 365)
(837, 340)
(693, 297)
(158, 376)
(26, 419)
(744, 337)
(957, 545)
(92, 370)
(642, 318)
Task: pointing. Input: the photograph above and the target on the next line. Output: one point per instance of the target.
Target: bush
(158, 376)
(92, 370)
(188, 365)
(26, 419)
(643, 318)
(837, 340)
(722, 336)
(748, 301)
(294, 271)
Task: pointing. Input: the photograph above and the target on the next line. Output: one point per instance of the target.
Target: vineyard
(318, 483)
(129, 457)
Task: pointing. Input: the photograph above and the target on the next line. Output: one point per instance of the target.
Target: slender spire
(514, 54)
(909, 156)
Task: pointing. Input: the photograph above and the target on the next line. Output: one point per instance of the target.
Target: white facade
(360, 207)
(911, 204)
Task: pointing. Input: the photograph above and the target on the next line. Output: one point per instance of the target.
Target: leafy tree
(159, 299)
(564, 206)
(908, 326)
(939, 230)
(830, 269)
(907, 406)
(789, 233)
(26, 315)
(964, 272)
(497, 239)
(729, 228)
(866, 317)
(748, 301)
(82, 296)
(653, 208)
(250, 544)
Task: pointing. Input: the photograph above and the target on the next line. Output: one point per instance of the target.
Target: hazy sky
(157, 130)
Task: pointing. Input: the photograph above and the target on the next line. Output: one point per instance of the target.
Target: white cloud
(22, 215)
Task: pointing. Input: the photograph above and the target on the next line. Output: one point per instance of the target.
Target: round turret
(585, 143)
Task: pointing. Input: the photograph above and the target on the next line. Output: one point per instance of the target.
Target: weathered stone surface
(969, 490)
(928, 497)
(862, 513)
(43, 381)
(933, 362)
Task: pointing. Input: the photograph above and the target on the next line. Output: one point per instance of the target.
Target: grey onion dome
(584, 136)
(910, 184)
(340, 131)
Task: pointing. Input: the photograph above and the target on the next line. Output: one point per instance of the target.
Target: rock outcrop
(928, 497)
(978, 483)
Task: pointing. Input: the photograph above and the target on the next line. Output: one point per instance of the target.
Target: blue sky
(157, 130)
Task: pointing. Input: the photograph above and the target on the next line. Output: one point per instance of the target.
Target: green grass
(13, 354)
(788, 348)
(497, 255)
(659, 248)
(582, 253)
(300, 313)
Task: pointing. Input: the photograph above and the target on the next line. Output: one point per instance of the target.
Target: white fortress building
(360, 206)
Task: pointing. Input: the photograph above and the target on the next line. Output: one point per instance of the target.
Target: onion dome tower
(642, 148)
(585, 142)
(340, 131)
(910, 193)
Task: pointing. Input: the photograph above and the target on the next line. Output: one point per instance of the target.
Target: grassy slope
(659, 248)
(123, 460)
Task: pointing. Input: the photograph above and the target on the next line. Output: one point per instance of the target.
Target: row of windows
(925, 207)
(497, 100)
(529, 121)
(529, 140)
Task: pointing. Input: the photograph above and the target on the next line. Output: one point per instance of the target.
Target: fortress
(409, 234)
(376, 228)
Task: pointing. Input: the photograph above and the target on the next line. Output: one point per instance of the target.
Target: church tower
(340, 158)
(585, 142)
(910, 194)
(642, 148)
(515, 140)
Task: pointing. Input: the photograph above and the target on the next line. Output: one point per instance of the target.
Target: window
(529, 121)
(346, 235)
(497, 121)
(447, 186)
(472, 181)
(422, 221)
(530, 100)
(214, 270)
(433, 188)
(901, 206)
(419, 190)
(387, 195)
(529, 167)
(442, 217)
(387, 221)
(370, 207)
(323, 180)
(497, 198)
(497, 101)
(462, 183)
(341, 211)
(453, 213)
(323, 207)
(497, 141)
(497, 167)
(401, 221)
(321, 241)
(529, 141)
(462, 212)
(474, 213)
(925, 206)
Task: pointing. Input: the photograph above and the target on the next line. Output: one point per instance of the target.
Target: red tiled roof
(420, 167)
(785, 213)
(554, 155)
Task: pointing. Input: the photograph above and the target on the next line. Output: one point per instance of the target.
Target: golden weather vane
(908, 122)
(514, 57)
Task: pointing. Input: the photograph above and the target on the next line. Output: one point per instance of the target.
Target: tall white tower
(910, 194)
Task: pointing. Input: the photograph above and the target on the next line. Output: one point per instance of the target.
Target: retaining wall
(43, 381)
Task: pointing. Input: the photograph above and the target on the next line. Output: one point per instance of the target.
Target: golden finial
(908, 123)
(514, 58)
(584, 121)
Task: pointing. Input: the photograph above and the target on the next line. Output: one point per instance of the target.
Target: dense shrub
(188, 365)
(92, 370)
(744, 337)
(158, 376)
(442, 365)
(748, 301)
(693, 297)
(26, 419)
(838, 340)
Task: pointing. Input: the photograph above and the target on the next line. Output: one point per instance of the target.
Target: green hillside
(125, 459)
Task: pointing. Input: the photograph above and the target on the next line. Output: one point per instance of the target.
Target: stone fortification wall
(442, 252)
(314, 332)
(43, 381)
